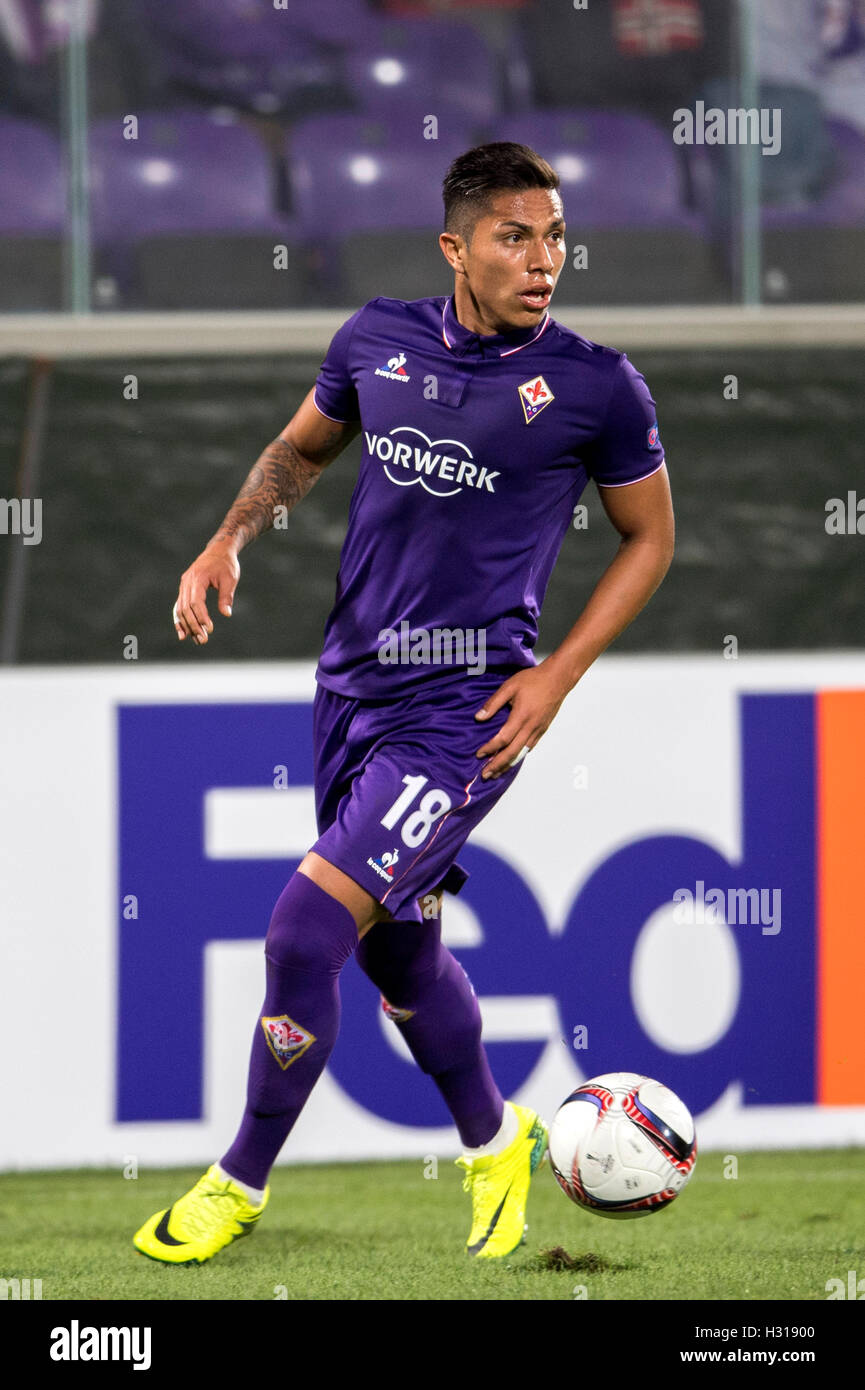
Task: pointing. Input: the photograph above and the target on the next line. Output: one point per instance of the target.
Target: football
(622, 1145)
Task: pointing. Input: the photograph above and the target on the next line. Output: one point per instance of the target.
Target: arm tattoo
(279, 478)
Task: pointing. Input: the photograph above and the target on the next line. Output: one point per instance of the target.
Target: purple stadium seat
(241, 29)
(436, 6)
(332, 21)
(622, 191)
(813, 213)
(32, 187)
(617, 169)
(250, 53)
(843, 202)
(185, 172)
(815, 252)
(355, 173)
(186, 213)
(374, 191)
(32, 217)
(403, 69)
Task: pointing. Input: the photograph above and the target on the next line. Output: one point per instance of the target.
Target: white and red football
(622, 1145)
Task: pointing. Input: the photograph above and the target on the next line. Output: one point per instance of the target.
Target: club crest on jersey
(395, 369)
(384, 865)
(397, 1015)
(534, 395)
(286, 1039)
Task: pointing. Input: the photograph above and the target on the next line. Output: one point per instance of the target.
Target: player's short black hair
(474, 177)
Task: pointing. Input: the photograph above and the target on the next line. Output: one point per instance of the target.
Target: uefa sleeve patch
(286, 1039)
(534, 395)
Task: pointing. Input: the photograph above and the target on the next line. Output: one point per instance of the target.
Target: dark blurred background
(133, 490)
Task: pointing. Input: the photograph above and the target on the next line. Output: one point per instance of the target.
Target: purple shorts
(398, 787)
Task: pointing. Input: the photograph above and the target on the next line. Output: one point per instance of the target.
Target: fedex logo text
(797, 780)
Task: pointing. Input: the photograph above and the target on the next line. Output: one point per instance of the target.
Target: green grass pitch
(787, 1223)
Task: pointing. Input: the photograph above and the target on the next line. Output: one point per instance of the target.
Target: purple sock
(310, 938)
(416, 974)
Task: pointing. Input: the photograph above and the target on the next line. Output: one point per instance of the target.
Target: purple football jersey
(476, 450)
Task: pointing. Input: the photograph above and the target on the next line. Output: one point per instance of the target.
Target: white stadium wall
(143, 841)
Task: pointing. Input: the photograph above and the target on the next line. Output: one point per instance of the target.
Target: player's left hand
(534, 696)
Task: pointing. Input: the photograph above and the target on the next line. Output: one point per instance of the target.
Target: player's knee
(455, 1045)
(449, 999)
(400, 956)
(309, 930)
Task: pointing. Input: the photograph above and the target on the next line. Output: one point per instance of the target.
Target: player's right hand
(217, 568)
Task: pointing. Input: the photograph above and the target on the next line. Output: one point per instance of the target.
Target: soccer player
(482, 421)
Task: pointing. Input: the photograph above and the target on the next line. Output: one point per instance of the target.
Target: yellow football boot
(499, 1184)
(211, 1215)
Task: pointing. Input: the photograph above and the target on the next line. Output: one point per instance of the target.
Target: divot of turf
(589, 1263)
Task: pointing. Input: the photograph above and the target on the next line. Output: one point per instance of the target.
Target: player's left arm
(642, 513)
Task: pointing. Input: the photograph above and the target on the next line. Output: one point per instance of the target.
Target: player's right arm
(283, 475)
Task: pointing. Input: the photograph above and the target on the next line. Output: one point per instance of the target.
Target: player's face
(506, 274)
